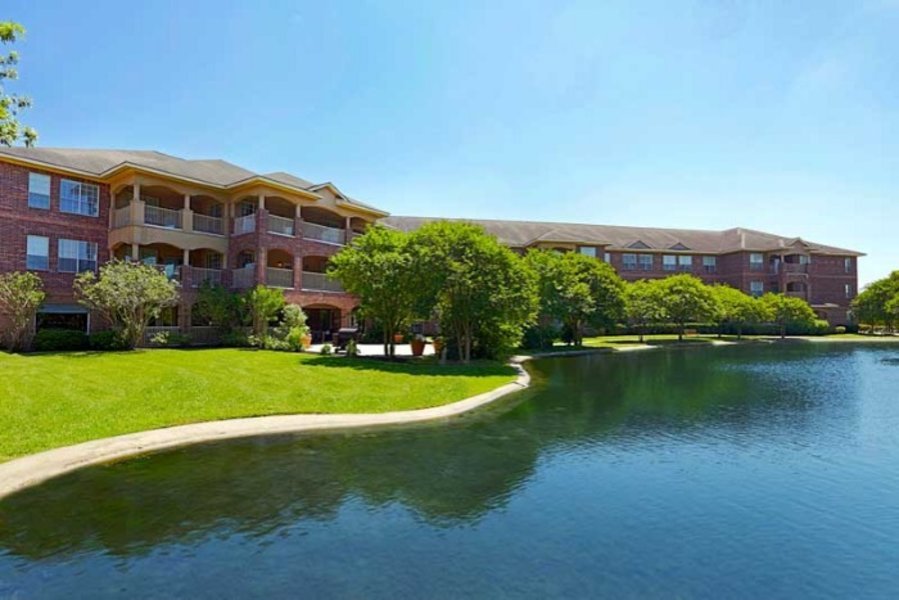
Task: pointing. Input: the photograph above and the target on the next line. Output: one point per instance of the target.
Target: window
(76, 256)
(756, 262)
(847, 264)
(37, 254)
(607, 257)
(669, 262)
(709, 264)
(629, 262)
(79, 198)
(587, 251)
(684, 262)
(756, 288)
(39, 191)
(848, 289)
(805, 259)
(645, 262)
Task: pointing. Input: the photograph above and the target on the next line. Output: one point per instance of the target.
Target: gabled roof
(211, 172)
(521, 234)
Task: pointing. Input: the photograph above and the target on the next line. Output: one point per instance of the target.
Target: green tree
(871, 305)
(219, 306)
(483, 293)
(577, 290)
(11, 105)
(788, 311)
(378, 269)
(128, 295)
(686, 299)
(21, 294)
(262, 305)
(643, 305)
(737, 309)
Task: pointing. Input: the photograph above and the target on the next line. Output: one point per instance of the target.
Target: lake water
(768, 471)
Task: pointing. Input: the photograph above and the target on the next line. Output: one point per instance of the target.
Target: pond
(757, 471)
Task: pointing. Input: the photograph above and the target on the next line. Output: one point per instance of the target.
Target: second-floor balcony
(323, 233)
(279, 277)
(320, 282)
(280, 225)
(208, 224)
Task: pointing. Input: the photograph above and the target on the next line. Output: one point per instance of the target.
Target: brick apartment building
(752, 261)
(63, 211)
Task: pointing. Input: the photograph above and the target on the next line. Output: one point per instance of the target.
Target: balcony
(323, 233)
(319, 282)
(208, 224)
(200, 276)
(246, 224)
(162, 217)
(280, 225)
(794, 267)
(245, 277)
(279, 278)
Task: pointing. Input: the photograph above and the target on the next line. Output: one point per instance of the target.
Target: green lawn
(51, 400)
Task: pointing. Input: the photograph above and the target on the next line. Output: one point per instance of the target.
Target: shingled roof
(214, 172)
(521, 234)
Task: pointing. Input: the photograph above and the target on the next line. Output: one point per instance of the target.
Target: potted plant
(418, 345)
(438, 345)
(398, 338)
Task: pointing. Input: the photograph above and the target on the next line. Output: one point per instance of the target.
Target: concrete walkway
(36, 468)
(378, 349)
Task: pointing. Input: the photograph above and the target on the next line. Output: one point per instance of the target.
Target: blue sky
(780, 116)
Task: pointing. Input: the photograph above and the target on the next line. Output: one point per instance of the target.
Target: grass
(52, 400)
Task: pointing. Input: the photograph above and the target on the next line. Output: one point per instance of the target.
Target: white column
(135, 252)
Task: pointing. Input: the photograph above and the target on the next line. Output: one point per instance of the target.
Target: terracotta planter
(398, 338)
(306, 341)
(418, 347)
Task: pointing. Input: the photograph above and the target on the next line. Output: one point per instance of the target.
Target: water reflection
(450, 477)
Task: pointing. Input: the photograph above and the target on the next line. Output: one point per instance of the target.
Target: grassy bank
(52, 400)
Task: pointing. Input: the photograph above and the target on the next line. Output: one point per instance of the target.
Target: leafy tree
(738, 309)
(11, 130)
(686, 298)
(262, 305)
(871, 305)
(129, 295)
(219, 306)
(483, 293)
(788, 311)
(577, 290)
(378, 269)
(643, 305)
(21, 294)
(292, 326)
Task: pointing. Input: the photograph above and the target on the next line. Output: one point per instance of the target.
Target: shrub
(352, 348)
(106, 340)
(237, 339)
(263, 304)
(539, 337)
(839, 330)
(20, 296)
(172, 339)
(54, 340)
(326, 350)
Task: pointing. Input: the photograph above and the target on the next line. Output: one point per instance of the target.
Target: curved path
(31, 470)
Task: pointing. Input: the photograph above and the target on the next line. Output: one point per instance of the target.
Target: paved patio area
(378, 349)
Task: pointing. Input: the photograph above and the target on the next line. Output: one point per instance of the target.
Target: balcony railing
(244, 277)
(199, 276)
(320, 282)
(208, 224)
(279, 278)
(122, 217)
(245, 224)
(280, 225)
(162, 217)
(171, 271)
(794, 267)
(323, 233)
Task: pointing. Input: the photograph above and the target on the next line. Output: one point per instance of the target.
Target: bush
(172, 339)
(539, 337)
(352, 349)
(839, 330)
(54, 340)
(106, 340)
(326, 350)
(236, 339)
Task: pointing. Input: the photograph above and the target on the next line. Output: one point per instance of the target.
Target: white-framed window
(79, 198)
(709, 264)
(684, 262)
(37, 253)
(629, 262)
(645, 262)
(848, 290)
(756, 261)
(39, 191)
(76, 256)
(587, 251)
(669, 262)
(756, 288)
(847, 264)
(607, 258)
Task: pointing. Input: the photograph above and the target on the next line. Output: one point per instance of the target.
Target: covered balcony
(281, 216)
(244, 273)
(315, 278)
(161, 206)
(796, 289)
(165, 257)
(205, 267)
(279, 269)
(245, 215)
(208, 215)
(323, 225)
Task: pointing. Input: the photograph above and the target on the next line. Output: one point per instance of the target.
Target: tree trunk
(783, 332)
(387, 336)
(680, 332)
(739, 332)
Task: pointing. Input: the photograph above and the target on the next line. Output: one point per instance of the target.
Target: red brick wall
(17, 221)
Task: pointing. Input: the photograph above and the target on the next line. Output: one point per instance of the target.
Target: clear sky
(780, 116)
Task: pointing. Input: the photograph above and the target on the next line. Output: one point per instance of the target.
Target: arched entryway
(323, 321)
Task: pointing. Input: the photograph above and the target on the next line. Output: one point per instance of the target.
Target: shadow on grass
(411, 367)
